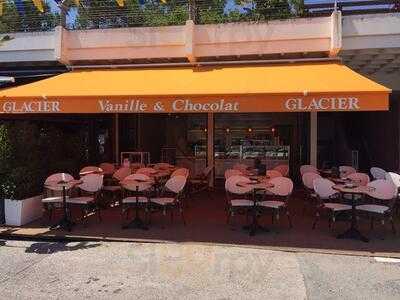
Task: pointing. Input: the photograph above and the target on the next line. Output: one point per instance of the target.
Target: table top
(58, 183)
(353, 190)
(91, 172)
(256, 185)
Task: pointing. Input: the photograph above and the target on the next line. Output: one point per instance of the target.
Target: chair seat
(241, 202)
(112, 188)
(80, 200)
(379, 209)
(337, 206)
(56, 199)
(140, 199)
(162, 201)
(271, 204)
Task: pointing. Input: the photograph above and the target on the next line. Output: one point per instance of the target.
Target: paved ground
(125, 270)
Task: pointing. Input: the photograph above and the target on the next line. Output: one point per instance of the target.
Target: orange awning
(272, 88)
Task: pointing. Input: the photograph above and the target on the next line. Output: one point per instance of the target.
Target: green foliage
(31, 151)
(32, 20)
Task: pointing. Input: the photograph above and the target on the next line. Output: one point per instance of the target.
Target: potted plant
(21, 173)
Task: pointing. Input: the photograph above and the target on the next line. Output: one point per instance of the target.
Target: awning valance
(272, 88)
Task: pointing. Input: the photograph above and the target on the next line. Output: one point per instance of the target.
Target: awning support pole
(116, 137)
(313, 138)
(210, 145)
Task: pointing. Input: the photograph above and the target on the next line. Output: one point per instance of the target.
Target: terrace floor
(206, 223)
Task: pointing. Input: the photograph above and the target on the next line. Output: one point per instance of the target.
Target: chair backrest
(394, 178)
(107, 168)
(378, 173)
(383, 189)
(360, 178)
(231, 185)
(135, 166)
(283, 169)
(181, 172)
(92, 183)
(56, 178)
(273, 174)
(162, 166)
(146, 171)
(121, 173)
(323, 188)
(241, 167)
(345, 171)
(308, 169)
(232, 172)
(90, 169)
(176, 184)
(308, 179)
(282, 186)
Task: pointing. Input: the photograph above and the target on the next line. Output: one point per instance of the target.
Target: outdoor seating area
(338, 209)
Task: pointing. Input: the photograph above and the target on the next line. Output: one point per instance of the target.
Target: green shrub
(31, 151)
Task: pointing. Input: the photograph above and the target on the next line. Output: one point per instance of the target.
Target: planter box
(21, 212)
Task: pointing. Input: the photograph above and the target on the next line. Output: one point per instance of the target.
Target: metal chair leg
(315, 220)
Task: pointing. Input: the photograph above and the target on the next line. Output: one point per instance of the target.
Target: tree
(31, 20)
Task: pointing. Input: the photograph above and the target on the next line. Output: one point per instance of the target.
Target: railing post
(192, 10)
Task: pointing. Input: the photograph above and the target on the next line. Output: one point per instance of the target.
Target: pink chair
(283, 169)
(232, 172)
(171, 197)
(181, 172)
(328, 200)
(308, 183)
(52, 195)
(280, 192)
(273, 174)
(308, 169)
(378, 173)
(114, 186)
(90, 191)
(146, 171)
(237, 196)
(107, 168)
(163, 166)
(382, 199)
(345, 171)
(359, 178)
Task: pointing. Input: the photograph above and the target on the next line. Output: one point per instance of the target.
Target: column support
(210, 144)
(313, 138)
(116, 137)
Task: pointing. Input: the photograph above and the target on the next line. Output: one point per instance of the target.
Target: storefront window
(257, 140)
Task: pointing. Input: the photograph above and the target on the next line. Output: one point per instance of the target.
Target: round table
(65, 222)
(353, 232)
(255, 186)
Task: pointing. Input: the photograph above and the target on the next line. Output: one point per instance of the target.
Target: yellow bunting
(39, 5)
(164, 1)
(120, 3)
(76, 2)
(1, 7)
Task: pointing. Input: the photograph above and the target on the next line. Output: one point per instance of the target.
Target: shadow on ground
(54, 247)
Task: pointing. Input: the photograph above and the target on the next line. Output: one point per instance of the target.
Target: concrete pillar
(336, 33)
(189, 41)
(210, 144)
(313, 138)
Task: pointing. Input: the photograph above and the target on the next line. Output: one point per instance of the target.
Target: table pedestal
(137, 222)
(65, 223)
(353, 232)
(254, 226)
